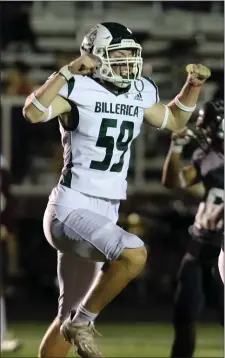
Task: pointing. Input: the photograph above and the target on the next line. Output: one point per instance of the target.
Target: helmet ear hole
(105, 70)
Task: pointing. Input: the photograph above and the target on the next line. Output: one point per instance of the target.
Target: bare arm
(48, 103)
(176, 118)
(174, 175)
(58, 105)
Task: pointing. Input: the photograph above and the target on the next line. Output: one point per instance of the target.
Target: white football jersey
(104, 124)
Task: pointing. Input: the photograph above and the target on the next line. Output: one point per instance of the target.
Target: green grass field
(128, 340)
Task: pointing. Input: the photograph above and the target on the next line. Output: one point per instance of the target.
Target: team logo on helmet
(90, 39)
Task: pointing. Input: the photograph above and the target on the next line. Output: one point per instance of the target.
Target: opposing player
(202, 255)
(101, 100)
(7, 345)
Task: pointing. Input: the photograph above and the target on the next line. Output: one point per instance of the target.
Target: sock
(2, 320)
(83, 315)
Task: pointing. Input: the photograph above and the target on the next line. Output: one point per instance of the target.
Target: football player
(7, 345)
(101, 101)
(201, 257)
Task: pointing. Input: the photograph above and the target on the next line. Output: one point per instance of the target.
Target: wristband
(37, 104)
(166, 116)
(65, 72)
(183, 107)
(60, 74)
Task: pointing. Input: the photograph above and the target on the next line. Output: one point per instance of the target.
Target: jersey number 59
(108, 142)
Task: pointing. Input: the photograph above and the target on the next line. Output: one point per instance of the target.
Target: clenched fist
(197, 74)
(83, 65)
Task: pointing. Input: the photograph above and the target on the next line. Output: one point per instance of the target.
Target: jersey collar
(108, 87)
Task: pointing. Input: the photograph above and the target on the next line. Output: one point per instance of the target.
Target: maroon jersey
(210, 171)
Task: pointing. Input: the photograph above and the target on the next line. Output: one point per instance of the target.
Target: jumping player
(101, 101)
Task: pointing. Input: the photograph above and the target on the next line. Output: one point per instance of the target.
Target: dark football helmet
(210, 124)
(110, 36)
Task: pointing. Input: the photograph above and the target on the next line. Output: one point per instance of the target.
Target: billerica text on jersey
(117, 108)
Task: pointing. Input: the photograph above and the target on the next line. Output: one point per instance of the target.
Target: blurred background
(38, 38)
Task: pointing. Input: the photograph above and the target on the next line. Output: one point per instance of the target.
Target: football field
(127, 340)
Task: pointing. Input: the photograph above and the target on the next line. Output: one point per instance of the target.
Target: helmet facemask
(130, 66)
(209, 132)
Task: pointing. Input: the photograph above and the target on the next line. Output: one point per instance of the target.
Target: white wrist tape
(66, 72)
(166, 116)
(183, 107)
(49, 115)
(37, 104)
(175, 148)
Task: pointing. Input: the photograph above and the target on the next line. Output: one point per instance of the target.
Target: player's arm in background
(46, 103)
(174, 175)
(176, 114)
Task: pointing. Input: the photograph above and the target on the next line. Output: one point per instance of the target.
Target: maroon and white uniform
(210, 170)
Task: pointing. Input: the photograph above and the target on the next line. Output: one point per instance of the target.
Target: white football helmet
(110, 36)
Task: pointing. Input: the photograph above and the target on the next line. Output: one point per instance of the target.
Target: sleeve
(196, 160)
(156, 90)
(64, 91)
(67, 89)
(157, 99)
